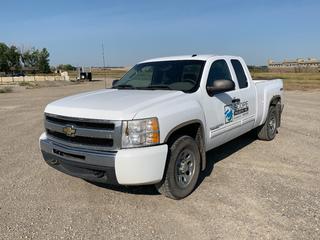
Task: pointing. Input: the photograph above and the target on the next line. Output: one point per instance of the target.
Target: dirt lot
(251, 189)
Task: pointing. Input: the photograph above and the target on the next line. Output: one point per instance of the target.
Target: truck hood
(109, 104)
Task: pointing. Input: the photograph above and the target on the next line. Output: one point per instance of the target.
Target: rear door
(245, 109)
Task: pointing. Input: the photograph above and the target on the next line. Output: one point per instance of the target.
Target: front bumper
(135, 166)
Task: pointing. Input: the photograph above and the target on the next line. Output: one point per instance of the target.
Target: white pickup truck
(155, 125)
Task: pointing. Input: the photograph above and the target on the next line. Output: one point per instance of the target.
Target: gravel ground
(250, 190)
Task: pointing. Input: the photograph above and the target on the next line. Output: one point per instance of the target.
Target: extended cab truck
(156, 123)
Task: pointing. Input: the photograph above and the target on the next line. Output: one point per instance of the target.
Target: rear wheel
(269, 129)
(183, 169)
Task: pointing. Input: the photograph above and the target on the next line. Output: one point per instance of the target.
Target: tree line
(13, 59)
(66, 67)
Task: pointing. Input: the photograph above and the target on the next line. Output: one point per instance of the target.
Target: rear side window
(241, 76)
(219, 70)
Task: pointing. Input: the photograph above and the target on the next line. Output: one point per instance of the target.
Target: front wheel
(183, 169)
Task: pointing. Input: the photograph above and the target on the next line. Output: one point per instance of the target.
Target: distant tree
(30, 58)
(4, 67)
(253, 68)
(52, 68)
(66, 67)
(43, 61)
(13, 58)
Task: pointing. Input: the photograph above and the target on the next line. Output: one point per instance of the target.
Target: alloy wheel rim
(272, 125)
(185, 168)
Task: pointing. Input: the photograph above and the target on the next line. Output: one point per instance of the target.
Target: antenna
(104, 67)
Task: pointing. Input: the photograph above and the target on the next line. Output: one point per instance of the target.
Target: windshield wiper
(154, 87)
(124, 86)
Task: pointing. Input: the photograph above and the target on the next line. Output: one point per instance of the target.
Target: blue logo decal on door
(228, 113)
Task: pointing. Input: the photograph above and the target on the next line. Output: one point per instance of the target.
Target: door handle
(236, 100)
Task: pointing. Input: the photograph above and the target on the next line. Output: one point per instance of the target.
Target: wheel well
(194, 130)
(275, 100)
(188, 129)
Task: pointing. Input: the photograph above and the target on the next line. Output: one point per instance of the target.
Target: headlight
(142, 132)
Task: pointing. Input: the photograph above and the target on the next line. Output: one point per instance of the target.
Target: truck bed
(266, 89)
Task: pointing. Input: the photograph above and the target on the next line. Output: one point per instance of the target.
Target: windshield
(182, 75)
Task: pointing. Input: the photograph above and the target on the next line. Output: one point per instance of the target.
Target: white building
(298, 65)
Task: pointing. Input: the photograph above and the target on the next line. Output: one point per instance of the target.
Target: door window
(241, 76)
(219, 71)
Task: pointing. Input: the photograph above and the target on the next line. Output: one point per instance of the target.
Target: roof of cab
(186, 57)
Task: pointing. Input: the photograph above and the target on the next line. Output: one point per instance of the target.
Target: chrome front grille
(88, 133)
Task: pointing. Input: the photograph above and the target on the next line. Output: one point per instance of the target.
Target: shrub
(6, 90)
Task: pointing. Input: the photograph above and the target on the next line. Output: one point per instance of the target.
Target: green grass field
(292, 81)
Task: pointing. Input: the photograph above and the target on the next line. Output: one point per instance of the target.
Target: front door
(223, 110)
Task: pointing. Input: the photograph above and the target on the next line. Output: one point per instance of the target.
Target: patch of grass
(292, 81)
(24, 84)
(294, 76)
(6, 90)
(29, 85)
(45, 84)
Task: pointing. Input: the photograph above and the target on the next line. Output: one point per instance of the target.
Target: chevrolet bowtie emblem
(70, 131)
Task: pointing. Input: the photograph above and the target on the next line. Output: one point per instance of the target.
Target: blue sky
(136, 30)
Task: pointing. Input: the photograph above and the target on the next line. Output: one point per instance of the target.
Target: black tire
(268, 130)
(181, 176)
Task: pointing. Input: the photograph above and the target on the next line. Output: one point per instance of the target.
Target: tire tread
(164, 186)
(262, 131)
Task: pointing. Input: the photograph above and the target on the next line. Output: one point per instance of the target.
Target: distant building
(298, 65)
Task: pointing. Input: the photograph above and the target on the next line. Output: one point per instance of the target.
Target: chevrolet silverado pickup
(155, 124)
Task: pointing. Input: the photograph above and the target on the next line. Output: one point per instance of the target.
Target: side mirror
(114, 82)
(219, 86)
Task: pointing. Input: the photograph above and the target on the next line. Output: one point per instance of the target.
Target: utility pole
(104, 67)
